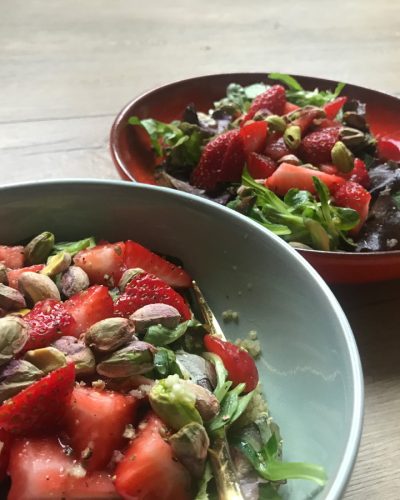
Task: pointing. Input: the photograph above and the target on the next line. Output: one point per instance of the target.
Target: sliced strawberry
(388, 149)
(234, 160)
(316, 147)
(332, 108)
(260, 166)
(14, 274)
(89, 307)
(328, 168)
(288, 176)
(328, 123)
(353, 195)
(290, 107)
(145, 289)
(138, 256)
(41, 406)
(273, 100)
(306, 118)
(149, 470)
(5, 446)
(40, 470)
(254, 136)
(276, 147)
(359, 174)
(92, 410)
(103, 263)
(12, 257)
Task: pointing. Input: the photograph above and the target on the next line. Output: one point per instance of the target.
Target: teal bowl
(310, 367)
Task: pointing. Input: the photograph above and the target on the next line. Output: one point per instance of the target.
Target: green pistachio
(57, 264)
(155, 314)
(38, 287)
(76, 352)
(276, 123)
(38, 249)
(134, 359)
(342, 157)
(190, 446)
(291, 159)
(356, 120)
(74, 280)
(13, 337)
(3, 274)
(16, 376)
(352, 138)
(198, 369)
(127, 277)
(109, 334)
(11, 298)
(46, 359)
(292, 137)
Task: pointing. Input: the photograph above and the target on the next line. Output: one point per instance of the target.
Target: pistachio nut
(78, 353)
(244, 191)
(352, 138)
(46, 359)
(190, 446)
(17, 375)
(109, 334)
(13, 336)
(155, 314)
(292, 137)
(127, 277)
(11, 298)
(38, 287)
(291, 159)
(74, 280)
(342, 157)
(57, 264)
(3, 274)
(276, 123)
(356, 120)
(134, 359)
(309, 166)
(206, 403)
(198, 369)
(20, 313)
(38, 249)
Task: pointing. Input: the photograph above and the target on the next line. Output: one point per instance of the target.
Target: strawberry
(92, 410)
(316, 147)
(138, 256)
(359, 173)
(353, 195)
(273, 100)
(254, 136)
(103, 263)
(260, 166)
(47, 321)
(12, 257)
(5, 440)
(149, 471)
(14, 274)
(328, 123)
(89, 307)
(41, 406)
(306, 118)
(332, 108)
(40, 470)
(289, 108)
(328, 168)
(276, 147)
(288, 176)
(388, 149)
(145, 289)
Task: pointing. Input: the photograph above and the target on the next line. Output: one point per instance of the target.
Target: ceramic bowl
(310, 367)
(134, 160)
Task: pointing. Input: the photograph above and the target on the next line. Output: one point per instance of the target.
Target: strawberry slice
(305, 118)
(359, 174)
(47, 321)
(103, 263)
(254, 136)
(146, 289)
(14, 274)
(332, 108)
(41, 406)
(40, 470)
(89, 307)
(316, 147)
(149, 469)
(138, 256)
(276, 147)
(353, 195)
(290, 107)
(388, 148)
(260, 166)
(92, 410)
(12, 257)
(273, 100)
(288, 176)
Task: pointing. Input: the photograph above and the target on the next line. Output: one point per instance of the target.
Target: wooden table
(67, 67)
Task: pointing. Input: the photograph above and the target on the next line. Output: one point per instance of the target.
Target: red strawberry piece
(254, 136)
(316, 147)
(328, 168)
(234, 160)
(273, 100)
(289, 108)
(138, 256)
(14, 274)
(146, 289)
(12, 257)
(260, 166)
(40, 470)
(276, 147)
(5, 440)
(149, 469)
(41, 406)
(89, 307)
(388, 148)
(306, 118)
(103, 264)
(288, 176)
(328, 123)
(359, 173)
(332, 108)
(353, 195)
(92, 410)
(48, 320)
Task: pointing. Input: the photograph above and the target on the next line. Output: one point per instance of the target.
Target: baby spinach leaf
(160, 336)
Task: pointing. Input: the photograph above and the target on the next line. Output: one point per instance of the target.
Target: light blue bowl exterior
(310, 367)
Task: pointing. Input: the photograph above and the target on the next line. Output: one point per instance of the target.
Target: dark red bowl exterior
(131, 153)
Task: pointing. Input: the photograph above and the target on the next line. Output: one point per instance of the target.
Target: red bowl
(132, 155)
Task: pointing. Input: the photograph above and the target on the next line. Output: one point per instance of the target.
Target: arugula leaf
(73, 247)
(165, 363)
(240, 97)
(203, 483)
(223, 385)
(160, 336)
(290, 81)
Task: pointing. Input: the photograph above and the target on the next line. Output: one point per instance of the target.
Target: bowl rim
(337, 487)
(121, 116)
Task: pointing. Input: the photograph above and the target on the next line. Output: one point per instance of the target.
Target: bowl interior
(310, 366)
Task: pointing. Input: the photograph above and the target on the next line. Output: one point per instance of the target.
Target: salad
(304, 164)
(116, 382)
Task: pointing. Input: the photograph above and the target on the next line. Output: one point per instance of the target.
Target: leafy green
(396, 199)
(267, 492)
(73, 247)
(240, 97)
(160, 336)
(165, 363)
(223, 385)
(203, 483)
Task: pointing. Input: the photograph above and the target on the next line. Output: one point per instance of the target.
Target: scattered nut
(155, 314)
(38, 287)
(3, 274)
(57, 264)
(109, 334)
(38, 249)
(74, 280)
(11, 298)
(46, 359)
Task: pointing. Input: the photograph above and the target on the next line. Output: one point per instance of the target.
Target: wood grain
(67, 67)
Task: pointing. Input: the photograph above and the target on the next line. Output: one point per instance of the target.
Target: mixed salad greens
(303, 163)
(116, 382)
